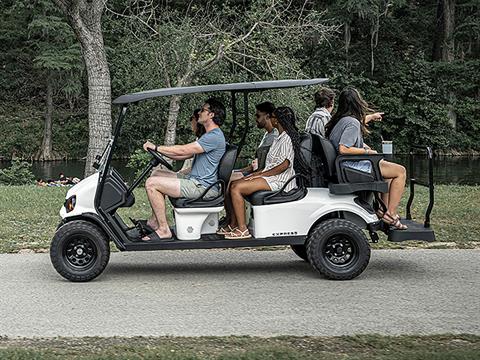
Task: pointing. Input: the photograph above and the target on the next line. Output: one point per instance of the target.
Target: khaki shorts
(192, 189)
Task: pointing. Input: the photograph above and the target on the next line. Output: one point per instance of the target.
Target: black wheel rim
(340, 251)
(80, 253)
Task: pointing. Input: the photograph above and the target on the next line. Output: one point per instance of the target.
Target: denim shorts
(362, 165)
(192, 189)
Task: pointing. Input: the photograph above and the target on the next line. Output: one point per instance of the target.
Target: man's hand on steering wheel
(152, 149)
(149, 145)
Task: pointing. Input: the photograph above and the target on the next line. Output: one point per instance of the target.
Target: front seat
(225, 167)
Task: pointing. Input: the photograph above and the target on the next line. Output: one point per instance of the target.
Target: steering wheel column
(156, 160)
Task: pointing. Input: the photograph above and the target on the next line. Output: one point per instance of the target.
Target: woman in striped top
(283, 160)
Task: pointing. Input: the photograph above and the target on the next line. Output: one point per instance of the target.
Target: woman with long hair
(346, 130)
(284, 160)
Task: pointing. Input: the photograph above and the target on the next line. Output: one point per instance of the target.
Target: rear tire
(301, 251)
(79, 251)
(338, 249)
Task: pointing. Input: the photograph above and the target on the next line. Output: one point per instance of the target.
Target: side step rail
(417, 231)
(414, 181)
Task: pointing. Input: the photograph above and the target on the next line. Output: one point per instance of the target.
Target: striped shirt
(317, 121)
(268, 137)
(280, 150)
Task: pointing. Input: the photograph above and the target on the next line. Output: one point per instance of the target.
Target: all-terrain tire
(301, 251)
(338, 249)
(79, 251)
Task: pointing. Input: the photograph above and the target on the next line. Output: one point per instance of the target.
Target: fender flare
(97, 220)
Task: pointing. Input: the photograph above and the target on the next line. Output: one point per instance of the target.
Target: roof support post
(246, 120)
(234, 117)
(112, 144)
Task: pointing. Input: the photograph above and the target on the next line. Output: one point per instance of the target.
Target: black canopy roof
(236, 87)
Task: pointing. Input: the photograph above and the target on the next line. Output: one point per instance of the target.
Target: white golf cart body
(276, 220)
(326, 218)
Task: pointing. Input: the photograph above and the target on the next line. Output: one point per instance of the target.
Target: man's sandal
(394, 221)
(154, 237)
(226, 230)
(238, 234)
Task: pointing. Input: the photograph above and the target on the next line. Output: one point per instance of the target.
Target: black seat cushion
(182, 202)
(350, 188)
(261, 197)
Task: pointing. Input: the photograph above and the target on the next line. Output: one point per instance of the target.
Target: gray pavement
(232, 292)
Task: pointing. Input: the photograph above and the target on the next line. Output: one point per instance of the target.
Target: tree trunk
(84, 17)
(452, 115)
(347, 38)
(45, 152)
(173, 110)
(174, 107)
(99, 101)
(443, 46)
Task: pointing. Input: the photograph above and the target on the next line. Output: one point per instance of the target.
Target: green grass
(29, 215)
(438, 347)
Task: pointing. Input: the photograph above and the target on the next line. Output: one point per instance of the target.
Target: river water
(447, 169)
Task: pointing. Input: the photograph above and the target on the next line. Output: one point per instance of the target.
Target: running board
(213, 241)
(415, 231)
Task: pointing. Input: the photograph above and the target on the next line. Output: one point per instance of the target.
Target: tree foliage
(383, 47)
(19, 173)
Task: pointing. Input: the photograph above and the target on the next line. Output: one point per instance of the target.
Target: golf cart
(323, 219)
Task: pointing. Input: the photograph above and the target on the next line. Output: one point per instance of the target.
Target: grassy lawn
(29, 215)
(441, 347)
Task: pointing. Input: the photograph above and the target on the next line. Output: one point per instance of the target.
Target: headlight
(70, 203)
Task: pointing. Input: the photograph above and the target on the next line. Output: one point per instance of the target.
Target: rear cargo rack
(414, 181)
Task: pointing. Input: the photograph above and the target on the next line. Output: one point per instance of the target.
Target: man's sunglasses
(258, 115)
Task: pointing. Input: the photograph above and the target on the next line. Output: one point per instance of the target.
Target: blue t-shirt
(205, 165)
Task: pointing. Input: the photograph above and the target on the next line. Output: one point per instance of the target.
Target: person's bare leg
(157, 188)
(233, 218)
(229, 213)
(398, 176)
(386, 196)
(243, 188)
(165, 173)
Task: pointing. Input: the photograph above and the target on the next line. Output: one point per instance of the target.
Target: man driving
(207, 152)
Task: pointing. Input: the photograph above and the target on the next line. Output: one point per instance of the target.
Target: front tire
(338, 249)
(79, 251)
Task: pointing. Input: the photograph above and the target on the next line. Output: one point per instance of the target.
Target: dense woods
(62, 62)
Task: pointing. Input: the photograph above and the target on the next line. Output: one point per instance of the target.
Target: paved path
(225, 292)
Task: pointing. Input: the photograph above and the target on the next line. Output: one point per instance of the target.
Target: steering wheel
(160, 159)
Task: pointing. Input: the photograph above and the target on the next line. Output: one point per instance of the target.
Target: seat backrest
(328, 154)
(261, 155)
(227, 162)
(306, 147)
(306, 152)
